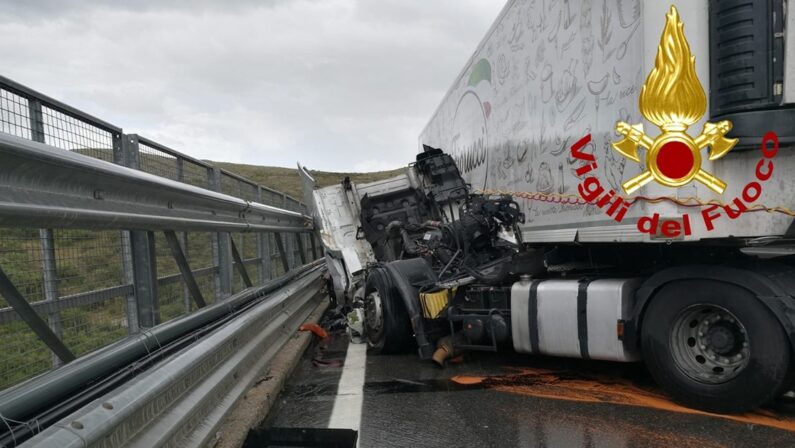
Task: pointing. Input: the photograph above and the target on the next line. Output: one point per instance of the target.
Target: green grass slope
(287, 180)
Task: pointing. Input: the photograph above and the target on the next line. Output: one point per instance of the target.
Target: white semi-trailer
(609, 184)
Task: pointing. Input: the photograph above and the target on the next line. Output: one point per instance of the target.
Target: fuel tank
(576, 318)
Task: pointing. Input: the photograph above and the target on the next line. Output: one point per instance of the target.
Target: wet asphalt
(506, 400)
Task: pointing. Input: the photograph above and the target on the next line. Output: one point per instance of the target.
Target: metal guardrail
(103, 234)
(183, 400)
(39, 186)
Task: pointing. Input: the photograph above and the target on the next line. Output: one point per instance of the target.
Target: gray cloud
(336, 84)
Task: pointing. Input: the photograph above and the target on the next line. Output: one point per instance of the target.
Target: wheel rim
(374, 317)
(709, 344)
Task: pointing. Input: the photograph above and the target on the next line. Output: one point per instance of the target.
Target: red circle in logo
(675, 160)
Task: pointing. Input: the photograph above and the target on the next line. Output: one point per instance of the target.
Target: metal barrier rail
(39, 186)
(103, 233)
(183, 400)
(40, 402)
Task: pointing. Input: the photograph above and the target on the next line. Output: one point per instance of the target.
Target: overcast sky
(336, 84)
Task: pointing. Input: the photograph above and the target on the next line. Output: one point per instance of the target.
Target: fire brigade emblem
(673, 99)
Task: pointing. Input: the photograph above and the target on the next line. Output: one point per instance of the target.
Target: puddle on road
(572, 386)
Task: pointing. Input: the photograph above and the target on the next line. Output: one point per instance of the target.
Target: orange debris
(314, 328)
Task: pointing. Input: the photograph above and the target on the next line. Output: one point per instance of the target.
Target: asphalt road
(505, 400)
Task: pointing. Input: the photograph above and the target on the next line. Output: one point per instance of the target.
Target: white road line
(347, 411)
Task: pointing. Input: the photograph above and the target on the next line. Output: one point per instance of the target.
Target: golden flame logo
(673, 99)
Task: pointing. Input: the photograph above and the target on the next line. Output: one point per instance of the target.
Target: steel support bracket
(241, 269)
(34, 321)
(301, 249)
(184, 268)
(282, 252)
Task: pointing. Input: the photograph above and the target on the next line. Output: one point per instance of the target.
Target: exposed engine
(437, 249)
(458, 233)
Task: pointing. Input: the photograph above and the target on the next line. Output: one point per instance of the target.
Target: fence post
(122, 156)
(46, 240)
(222, 251)
(131, 308)
(289, 246)
(313, 242)
(50, 275)
(263, 248)
(186, 298)
(139, 258)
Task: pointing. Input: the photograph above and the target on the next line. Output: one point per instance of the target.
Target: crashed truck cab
(399, 249)
(419, 261)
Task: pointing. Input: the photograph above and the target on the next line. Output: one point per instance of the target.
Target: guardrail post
(122, 156)
(139, 259)
(145, 277)
(222, 250)
(263, 248)
(127, 155)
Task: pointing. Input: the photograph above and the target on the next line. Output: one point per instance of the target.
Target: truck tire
(387, 324)
(714, 346)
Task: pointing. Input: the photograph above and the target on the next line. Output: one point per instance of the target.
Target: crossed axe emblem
(674, 158)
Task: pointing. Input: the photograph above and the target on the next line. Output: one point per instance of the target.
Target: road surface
(505, 400)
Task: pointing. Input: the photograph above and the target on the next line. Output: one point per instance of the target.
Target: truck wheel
(714, 346)
(387, 325)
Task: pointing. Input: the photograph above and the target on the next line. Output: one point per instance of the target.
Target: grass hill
(287, 181)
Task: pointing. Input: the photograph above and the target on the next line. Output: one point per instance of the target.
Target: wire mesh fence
(81, 282)
(273, 198)
(235, 186)
(246, 245)
(89, 327)
(23, 354)
(21, 248)
(194, 173)
(170, 287)
(14, 114)
(68, 132)
(87, 260)
(157, 162)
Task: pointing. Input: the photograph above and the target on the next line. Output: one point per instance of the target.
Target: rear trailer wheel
(387, 324)
(714, 346)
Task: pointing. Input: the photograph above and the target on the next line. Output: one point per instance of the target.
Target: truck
(563, 203)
